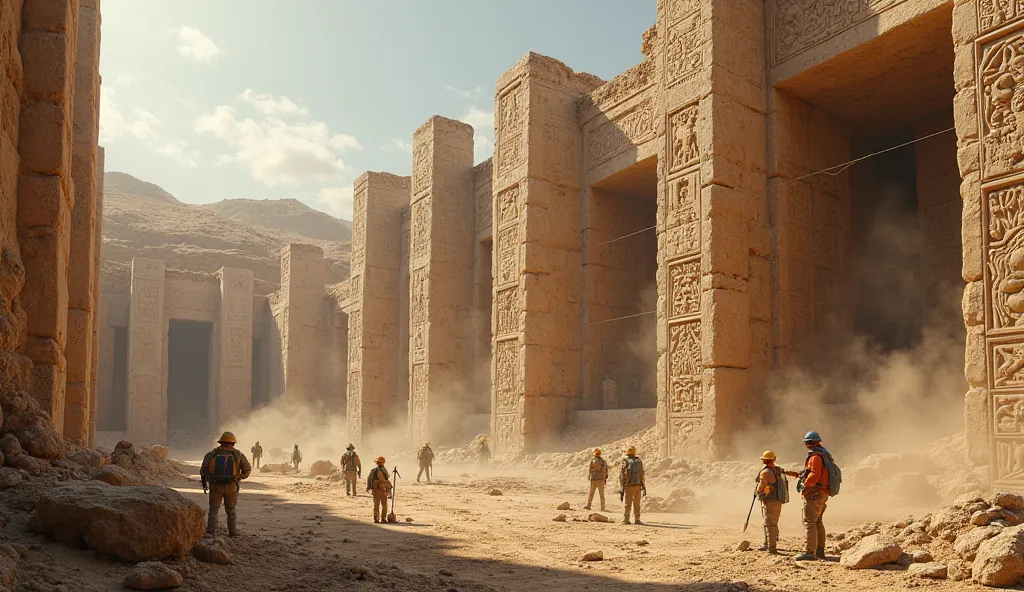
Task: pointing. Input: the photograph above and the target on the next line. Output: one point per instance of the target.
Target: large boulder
(115, 475)
(871, 551)
(88, 458)
(30, 464)
(212, 550)
(41, 441)
(153, 575)
(278, 469)
(966, 545)
(9, 560)
(1009, 501)
(952, 520)
(146, 523)
(1000, 560)
(322, 468)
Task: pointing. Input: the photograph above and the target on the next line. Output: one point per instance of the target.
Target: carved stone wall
(483, 279)
(147, 400)
(97, 325)
(233, 388)
(302, 315)
(443, 226)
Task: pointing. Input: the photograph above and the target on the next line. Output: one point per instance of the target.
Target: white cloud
(398, 144)
(473, 93)
(336, 201)
(483, 148)
(194, 44)
(269, 104)
(279, 152)
(180, 152)
(483, 126)
(116, 122)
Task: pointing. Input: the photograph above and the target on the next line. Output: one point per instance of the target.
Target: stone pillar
(147, 395)
(302, 287)
(46, 191)
(536, 368)
(712, 217)
(234, 379)
(374, 291)
(81, 264)
(988, 39)
(96, 298)
(441, 298)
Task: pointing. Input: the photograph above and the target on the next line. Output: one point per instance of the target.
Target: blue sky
(275, 99)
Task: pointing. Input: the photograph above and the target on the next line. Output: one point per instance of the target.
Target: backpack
(781, 489)
(223, 467)
(835, 476)
(597, 469)
(381, 479)
(634, 471)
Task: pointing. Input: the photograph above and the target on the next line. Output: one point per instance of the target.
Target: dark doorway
(188, 376)
(117, 413)
(260, 386)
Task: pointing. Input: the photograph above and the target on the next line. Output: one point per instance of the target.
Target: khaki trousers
(380, 506)
(633, 494)
(599, 487)
(422, 469)
(813, 510)
(771, 510)
(256, 459)
(350, 483)
(226, 493)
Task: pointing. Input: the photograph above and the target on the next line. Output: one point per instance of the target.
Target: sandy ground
(303, 534)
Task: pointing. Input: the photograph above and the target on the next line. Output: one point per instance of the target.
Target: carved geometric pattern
(1001, 80)
(628, 129)
(684, 149)
(508, 305)
(684, 212)
(511, 118)
(799, 25)
(684, 287)
(506, 364)
(685, 49)
(1008, 415)
(993, 14)
(1005, 254)
(508, 255)
(421, 214)
(422, 167)
(685, 367)
(508, 202)
(145, 300)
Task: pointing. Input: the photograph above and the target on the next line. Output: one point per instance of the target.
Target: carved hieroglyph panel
(685, 367)
(508, 305)
(993, 14)
(631, 127)
(354, 404)
(679, 431)
(421, 215)
(419, 342)
(677, 9)
(1001, 84)
(506, 368)
(1008, 415)
(146, 410)
(422, 167)
(684, 287)
(507, 431)
(508, 255)
(799, 25)
(685, 49)
(511, 119)
(420, 386)
(355, 336)
(238, 347)
(684, 213)
(684, 148)
(1007, 361)
(146, 300)
(419, 288)
(508, 205)
(1005, 254)
(1009, 459)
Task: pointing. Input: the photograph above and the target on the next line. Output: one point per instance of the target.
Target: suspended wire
(621, 318)
(624, 236)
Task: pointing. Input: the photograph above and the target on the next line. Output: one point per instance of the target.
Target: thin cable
(621, 318)
(624, 236)
(832, 170)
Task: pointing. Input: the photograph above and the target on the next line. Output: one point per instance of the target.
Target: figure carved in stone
(419, 295)
(1006, 256)
(508, 307)
(610, 392)
(685, 148)
(679, 431)
(684, 211)
(421, 167)
(509, 128)
(421, 226)
(626, 130)
(1008, 359)
(685, 49)
(1002, 89)
(1009, 414)
(684, 278)
(506, 363)
(1010, 460)
(995, 13)
(684, 357)
(802, 24)
(508, 255)
(508, 200)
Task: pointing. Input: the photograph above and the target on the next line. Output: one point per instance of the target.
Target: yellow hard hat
(380, 460)
(227, 438)
(631, 450)
(597, 452)
(768, 455)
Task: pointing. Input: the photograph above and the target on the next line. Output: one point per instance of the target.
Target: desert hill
(141, 219)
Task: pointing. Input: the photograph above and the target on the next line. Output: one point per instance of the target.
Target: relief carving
(419, 295)
(1009, 459)
(680, 429)
(238, 347)
(419, 389)
(1001, 76)
(680, 8)
(686, 393)
(684, 212)
(146, 342)
(508, 255)
(506, 364)
(506, 431)
(1007, 365)
(627, 129)
(799, 25)
(421, 215)
(508, 306)
(1006, 256)
(419, 342)
(146, 299)
(993, 14)
(685, 49)
(422, 169)
(685, 149)
(684, 288)
(1008, 415)
(511, 117)
(238, 283)
(508, 202)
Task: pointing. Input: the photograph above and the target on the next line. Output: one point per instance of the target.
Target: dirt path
(303, 534)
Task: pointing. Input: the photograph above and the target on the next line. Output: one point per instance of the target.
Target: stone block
(48, 59)
(76, 411)
(965, 114)
(41, 200)
(976, 425)
(730, 402)
(735, 133)
(724, 235)
(78, 351)
(963, 68)
(47, 388)
(54, 16)
(965, 23)
(725, 334)
(43, 350)
(974, 356)
(45, 139)
(759, 286)
(551, 371)
(760, 344)
(971, 229)
(45, 296)
(974, 304)
(967, 158)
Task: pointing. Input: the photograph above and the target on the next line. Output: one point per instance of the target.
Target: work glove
(799, 487)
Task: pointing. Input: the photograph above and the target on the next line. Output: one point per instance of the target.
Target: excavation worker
(597, 472)
(425, 457)
(352, 467)
(813, 484)
(379, 484)
(223, 468)
(632, 482)
(296, 457)
(769, 484)
(257, 453)
(485, 453)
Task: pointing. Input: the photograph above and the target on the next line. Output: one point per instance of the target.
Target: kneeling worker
(773, 491)
(223, 468)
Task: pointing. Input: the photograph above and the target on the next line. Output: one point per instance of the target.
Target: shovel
(392, 518)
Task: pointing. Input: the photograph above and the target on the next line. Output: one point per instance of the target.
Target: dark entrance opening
(188, 376)
(117, 414)
(260, 386)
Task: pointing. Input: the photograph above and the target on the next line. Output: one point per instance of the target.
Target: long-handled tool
(749, 512)
(392, 518)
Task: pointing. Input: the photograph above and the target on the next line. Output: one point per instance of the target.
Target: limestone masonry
(658, 236)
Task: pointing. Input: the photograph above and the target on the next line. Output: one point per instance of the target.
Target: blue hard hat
(812, 437)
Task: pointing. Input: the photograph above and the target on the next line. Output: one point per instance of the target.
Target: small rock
(10, 446)
(322, 468)
(935, 571)
(564, 506)
(598, 518)
(88, 458)
(363, 573)
(905, 559)
(922, 557)
(959, 571)
(994, 512)
(594, 556)
(743, 546)
(560, 518)
(980, 518)
(212, 550)
(153, 575)
(159, 451)
(9, 560)
(446, 573)
(1010, 501)
(30, 464)
(494, 492)
(9, 478)
(464, 475)
(642, 543)
(408, 519)
(871, 551)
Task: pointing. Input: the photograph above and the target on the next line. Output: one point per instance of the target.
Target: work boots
(804, 557)
(820, 553)
(587, 507)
